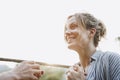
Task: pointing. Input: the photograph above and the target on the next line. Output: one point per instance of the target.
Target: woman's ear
(92, 32)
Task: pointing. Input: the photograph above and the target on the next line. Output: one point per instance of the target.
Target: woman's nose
(67, 32)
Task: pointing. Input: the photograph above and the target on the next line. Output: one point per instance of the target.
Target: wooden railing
(41, 63)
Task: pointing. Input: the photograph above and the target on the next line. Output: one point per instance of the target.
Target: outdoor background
(34, 29)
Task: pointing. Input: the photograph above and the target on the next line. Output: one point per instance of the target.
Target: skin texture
(76, 36)
(75, 73)
(80, 40)
(26, 70)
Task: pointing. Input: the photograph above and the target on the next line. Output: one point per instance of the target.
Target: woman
(82, 34)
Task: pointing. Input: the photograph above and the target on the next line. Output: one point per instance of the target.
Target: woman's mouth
(70, 39)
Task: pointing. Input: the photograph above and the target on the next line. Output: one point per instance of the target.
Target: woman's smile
(71, 39)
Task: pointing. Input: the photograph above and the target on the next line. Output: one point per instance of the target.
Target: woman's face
(76, 36)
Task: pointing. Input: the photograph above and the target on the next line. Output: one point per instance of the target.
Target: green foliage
(118, 38)
(50, 73)
(53, 73)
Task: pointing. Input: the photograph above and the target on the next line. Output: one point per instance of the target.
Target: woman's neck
(85, 56)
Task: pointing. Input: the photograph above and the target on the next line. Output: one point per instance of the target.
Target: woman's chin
(71, 46)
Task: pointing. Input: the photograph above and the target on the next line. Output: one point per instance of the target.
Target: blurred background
(34, 30)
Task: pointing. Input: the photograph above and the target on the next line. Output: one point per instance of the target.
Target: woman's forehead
(71, 20)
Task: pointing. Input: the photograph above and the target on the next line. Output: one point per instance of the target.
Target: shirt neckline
(95, 56)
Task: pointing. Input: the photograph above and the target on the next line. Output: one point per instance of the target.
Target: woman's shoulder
(108, 53)
(112, 55)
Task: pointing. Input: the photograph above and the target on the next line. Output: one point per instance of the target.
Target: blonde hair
(88, 21)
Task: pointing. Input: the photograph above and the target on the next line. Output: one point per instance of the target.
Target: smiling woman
(31, 30)
(79, 29)
(82, 33)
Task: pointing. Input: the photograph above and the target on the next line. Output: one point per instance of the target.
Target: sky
(34, 29)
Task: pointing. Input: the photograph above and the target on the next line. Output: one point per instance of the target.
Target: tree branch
(41, 63)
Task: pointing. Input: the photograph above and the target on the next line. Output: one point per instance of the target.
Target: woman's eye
(73, 26)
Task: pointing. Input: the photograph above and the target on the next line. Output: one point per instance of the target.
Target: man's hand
(27, 70)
